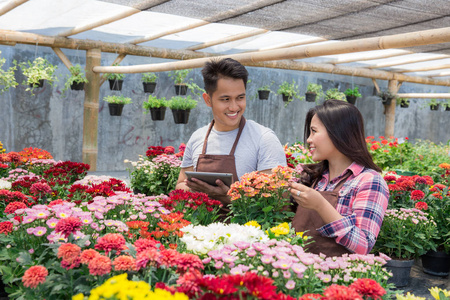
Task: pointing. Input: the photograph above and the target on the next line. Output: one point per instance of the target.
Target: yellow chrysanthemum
(78, 297)
(253, 223)
(435, 292)
(281, 229)
(409, 296)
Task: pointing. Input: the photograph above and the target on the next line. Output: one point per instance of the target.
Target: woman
(343, 198)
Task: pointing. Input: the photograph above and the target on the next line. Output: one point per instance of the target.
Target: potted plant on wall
(156, 106)
(149, 82)
(386, 97)
(38, 71)
(76, 79)
(335, 94)
(313, 91)
(352, 94)
(264, 91)
(434, 104)
(288, 91)
(403, 102)
(446, 105)
(7, 78)
(116, 104)
(179, 78)
(181, 107)
(115, 80)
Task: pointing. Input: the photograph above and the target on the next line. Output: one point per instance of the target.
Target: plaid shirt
(362, 202)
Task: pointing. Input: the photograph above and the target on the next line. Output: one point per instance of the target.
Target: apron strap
(339, 185)
(206, 137)
(241, 127)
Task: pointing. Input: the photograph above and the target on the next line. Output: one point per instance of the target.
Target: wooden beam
(367, 57)
(91, 100)
(63, 57)
(424, 69)
(123, 14)
(118, 60)
(390, 110)
(375, 83)
(442, 74)
(11, 5)
(293, 44)
(228, 39)
(425, 95)
(410, 61)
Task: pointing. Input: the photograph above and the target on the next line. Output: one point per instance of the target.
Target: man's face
(228, 103)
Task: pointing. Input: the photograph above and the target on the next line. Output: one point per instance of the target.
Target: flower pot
(77, 86)
(447, 108)
(404, 105)
(149, 87)
(115, 109)
(115, 85)
(400, 271)
(158, 114)
(263, 95)
(310, 97)
(386, 101)
(434, 107)
(38, 85)
(286, 98)
(180, 89)
(436, 263)
(351, 99)
(181, 116)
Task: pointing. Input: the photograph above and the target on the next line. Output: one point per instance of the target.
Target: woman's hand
(306, 197)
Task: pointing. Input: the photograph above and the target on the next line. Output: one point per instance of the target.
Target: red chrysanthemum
(124, 263)
(420, 180)
(56, 202)
(100, 265)
(187, 261)
(417, 195)
(144, 244)
(339, 292)
(421, 205)
(6, 227)
(68, 225)
(111, 241)
(40, 189)
(395, 187)
(13, 206)
(69, 252)
(368, 288)
(151, 256)
(68, 265)
(437, 187)
(310, 297)
(429, 180)
(169, 258)
(34, 276)
(387, 178)
(87, 255)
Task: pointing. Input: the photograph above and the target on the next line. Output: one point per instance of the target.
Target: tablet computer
(211, 177)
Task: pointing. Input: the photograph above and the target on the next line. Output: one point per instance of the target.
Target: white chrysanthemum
(5, 185)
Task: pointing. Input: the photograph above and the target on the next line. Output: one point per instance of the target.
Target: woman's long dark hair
(345, 127)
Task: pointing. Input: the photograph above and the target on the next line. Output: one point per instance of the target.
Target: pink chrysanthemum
(69, 252)
(147, 256)
(34, 276)
(188, 261)
(124, 263)
(100, 265)
(111, 241)
(87, 255)
(71, 264)
(144, 244)
(68, 225)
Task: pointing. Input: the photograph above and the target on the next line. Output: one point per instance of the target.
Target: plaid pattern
(362, 202)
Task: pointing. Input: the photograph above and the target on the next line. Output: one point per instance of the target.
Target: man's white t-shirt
(258, 147)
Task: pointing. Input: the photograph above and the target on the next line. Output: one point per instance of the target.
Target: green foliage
(114, 76)
(117, 99)
(388, 153)
(440, 210)
(446, 103)
(386, 96)
(315, 88)
(290, 90)
(353, 92)
(179, 76)
(266, 87)
(433, 102)
(335, 94)
(195, 89)
(184, 103)
(76, 76)
(149, 77)
(7, 78)
(39, 69)
(154, 102)
(402, 101)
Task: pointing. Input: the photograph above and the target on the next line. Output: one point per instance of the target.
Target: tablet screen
(211, 177)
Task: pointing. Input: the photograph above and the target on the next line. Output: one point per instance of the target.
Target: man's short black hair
(216, 69)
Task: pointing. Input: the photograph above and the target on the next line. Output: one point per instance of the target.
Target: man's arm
(182, 179)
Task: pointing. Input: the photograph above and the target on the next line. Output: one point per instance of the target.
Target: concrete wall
(54, 121)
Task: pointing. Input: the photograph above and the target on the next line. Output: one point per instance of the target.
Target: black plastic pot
(181, 116)
(38, 85)
(404, 105)
(263, 94)
(158, 114)
(180, 89)
(401, 270)
(351, 99)
(149, 87)
(447, 108)
(436, 263)
(286, 98)
(77, 86)
(434, 107)
(115, 85)
(310, 97)
(115, 109)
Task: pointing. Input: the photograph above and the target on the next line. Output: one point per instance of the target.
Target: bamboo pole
(228, 39)
(425, 95)
(424, 69)
(123, 14)
(375, 83)
(90, 121)
(442, 74)
(390, 110)
(11, 5)
(367, 57)
(118, 60)
(293, 44)
(146, 4)
(63, 57)
(410, 61)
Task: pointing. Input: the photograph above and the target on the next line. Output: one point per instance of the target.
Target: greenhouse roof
(228, 27)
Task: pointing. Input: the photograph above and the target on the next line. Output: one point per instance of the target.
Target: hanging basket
(115, 85)
(180, 89)
(404, 105)
(181, 116)
(77, 86)
(447, 108)
(158, 114)
(263, 94)
(434, 107)
(351, 99)
(149, 87)
(115, 109)
(286, 98)
(310, 97)
(38, 85)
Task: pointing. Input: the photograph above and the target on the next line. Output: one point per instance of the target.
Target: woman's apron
(309, 220)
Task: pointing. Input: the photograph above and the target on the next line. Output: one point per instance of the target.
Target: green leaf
(267, 209)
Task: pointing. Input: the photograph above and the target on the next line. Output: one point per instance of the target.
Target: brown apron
(309, 220)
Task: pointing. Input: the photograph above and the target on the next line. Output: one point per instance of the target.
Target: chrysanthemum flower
(368, 288)
(111, 241)
(68, 252)
(188, 261)
(87, 255)
(39, 231)
(339, 292)
(421, 205)
(310, 297)
(417, 195)
(6, 227)
(13, 206)
(100, 265)
(34, 276)
(40, 189)
(68, 225)
(124, 263)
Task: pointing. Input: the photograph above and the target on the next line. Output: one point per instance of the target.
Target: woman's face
(320, 144)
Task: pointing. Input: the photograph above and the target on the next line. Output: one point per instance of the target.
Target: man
(230, 144)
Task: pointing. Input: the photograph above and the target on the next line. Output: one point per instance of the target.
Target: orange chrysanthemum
(445, 166)
(87, 255)
(100, 265)
(34, 276)
(69, 252)
(124, 263)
